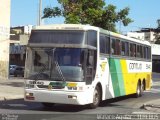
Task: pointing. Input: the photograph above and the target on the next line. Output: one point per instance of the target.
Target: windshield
(57, 64)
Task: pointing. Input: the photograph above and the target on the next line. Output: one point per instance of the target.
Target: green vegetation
(94, 12)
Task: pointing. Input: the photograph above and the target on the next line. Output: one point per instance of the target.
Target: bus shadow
(20, 104)
(112, 102)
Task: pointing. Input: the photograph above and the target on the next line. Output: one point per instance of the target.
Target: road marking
(156, 83)
(153, 90)
(140, 112)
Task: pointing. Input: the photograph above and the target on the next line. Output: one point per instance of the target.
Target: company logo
(135, 66)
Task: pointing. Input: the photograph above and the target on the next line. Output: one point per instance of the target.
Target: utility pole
(158, 21)
(40, 13)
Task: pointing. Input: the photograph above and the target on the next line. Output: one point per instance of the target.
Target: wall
(4, 37)
(136, 35)
(155, 49)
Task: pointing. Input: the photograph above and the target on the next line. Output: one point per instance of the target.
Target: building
(155, 58)
(21, 29)
(137, 35)
(18, 40)
(4, 37)
(145, 34)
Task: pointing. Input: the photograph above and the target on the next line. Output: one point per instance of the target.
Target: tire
(143, 86)
(96, 98)
(139, 90)
(48, 105)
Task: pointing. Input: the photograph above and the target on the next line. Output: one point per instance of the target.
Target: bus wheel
(143, 86)
(48, 105)
(139, 90)
(96, 98)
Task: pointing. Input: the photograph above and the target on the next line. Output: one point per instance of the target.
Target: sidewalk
(12, 88)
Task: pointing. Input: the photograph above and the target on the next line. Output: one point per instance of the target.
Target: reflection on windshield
(58, 64)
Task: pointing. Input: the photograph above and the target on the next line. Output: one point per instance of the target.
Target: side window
(92, 38)
(132, 50)
(113, 46)
(141, 51)
(104, 44)
(116, 47)
(138, 51)
(125, 48)
(107, 44)
(149, 53)
(145, 52)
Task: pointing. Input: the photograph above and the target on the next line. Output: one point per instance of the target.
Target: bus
(84, 65)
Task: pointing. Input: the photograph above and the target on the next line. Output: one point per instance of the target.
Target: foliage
(157, 37)
(93, 12)
(157, 33)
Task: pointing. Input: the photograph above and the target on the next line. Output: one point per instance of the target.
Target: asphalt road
(21, 110)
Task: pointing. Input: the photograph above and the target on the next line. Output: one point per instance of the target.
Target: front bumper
(58, 96)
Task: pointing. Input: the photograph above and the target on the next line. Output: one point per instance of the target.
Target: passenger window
(104, 44)
(107, 44)
(138, 51)
(125, 49)
(149, 53)
(141, 51)
(116, 47)
(92, 38)
(132, 50)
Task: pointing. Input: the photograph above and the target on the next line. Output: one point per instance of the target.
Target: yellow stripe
(126, 76)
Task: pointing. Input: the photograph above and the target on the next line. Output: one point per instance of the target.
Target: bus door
(91, 60)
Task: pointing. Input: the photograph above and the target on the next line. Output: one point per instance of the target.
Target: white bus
(82, 64)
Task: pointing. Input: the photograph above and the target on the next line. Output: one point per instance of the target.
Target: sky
(144, 13)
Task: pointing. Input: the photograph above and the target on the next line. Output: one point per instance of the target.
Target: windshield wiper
(57, 66)
(59, 70)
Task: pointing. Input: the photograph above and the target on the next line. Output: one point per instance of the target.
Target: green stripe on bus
(120, 77)
(114, 77)
(117, 77)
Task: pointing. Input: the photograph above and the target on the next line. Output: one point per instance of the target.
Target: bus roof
(65, 27)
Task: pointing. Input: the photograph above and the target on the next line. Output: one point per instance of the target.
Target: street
(123, 105)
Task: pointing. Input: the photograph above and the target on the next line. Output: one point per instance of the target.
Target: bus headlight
(29, 96)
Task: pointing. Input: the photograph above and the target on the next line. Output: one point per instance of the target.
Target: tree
(93, 12)
(157, 37)
(157, 33)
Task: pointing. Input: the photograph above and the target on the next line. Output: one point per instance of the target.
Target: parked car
(19, 71)
(12, 69)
